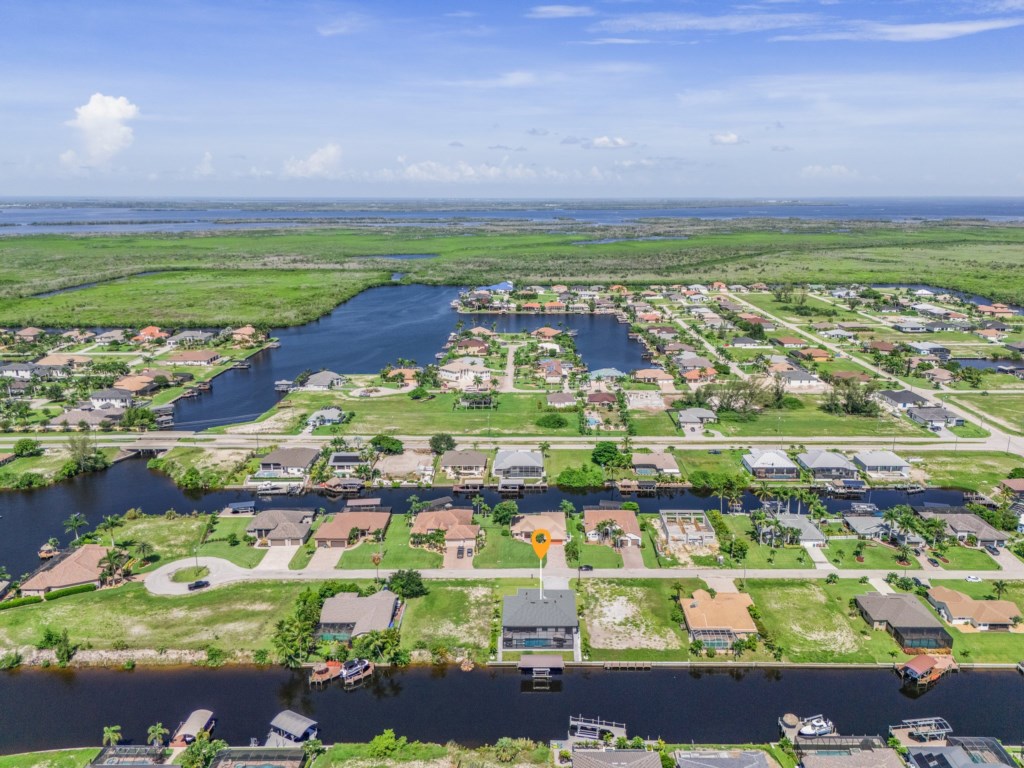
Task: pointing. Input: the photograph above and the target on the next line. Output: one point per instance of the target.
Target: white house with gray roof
(827, 465)
(770, 464)
(518, 462)
(881, 463)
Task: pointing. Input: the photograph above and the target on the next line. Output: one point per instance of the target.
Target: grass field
(240, 554)
(63, 758)
(502, 551)
(993, 647)
(761, 555)
(812, 621)
(1008, 408)
(599, 556)
(234, 617)
(171, 539)
(190, 573)
(293, 276)
(395, 550)
(967, 559)
(811, 421)
(876, 556)
(974, 471)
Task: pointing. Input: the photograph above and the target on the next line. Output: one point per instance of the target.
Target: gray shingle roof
(615, 758)
(900, 611)
(507, 458)
(733, 758)
(526, 609)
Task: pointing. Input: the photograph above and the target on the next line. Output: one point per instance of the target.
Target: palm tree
(73, 523)
(892, 517)
(903, 553)
(476, 501)
(5, 575)
(999, 586)
(144, 550)
(111, 735)
(763, 492)
(110, 522)
(375, 558)
(156, 734)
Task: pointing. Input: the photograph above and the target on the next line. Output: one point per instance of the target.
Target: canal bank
(699, 705)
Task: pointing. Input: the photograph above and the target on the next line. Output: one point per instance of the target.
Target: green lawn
(876, 556)
(233, 617)
(190, 573)
(171, 539)
(343, 755)
(653, 423)
(599, 556)
(305, 553)
(968, 559)
(974, 471)
(811, 421)
(395, 550)
(502, 551)
(240, 554)
(724, 461)
(62, 758)
(761, 555)
(1008, 408)
(813, 622)
(559, 459)
(516, 414)
(969, 430)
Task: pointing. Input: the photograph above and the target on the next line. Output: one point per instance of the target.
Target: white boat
(815, 726)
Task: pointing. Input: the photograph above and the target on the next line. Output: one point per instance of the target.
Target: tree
(605, 453)
(144, 550)
(407, 584)
(376, 558)
(156, 734)
(313, 748)
(999, 587)
(387, 444)
(504, 511)
(110, 522)
(441, 443)
(138, 418)
(291, 640)
(111, 735)
(73, 523)
(200, 753)
(28, 447)
(477, 501)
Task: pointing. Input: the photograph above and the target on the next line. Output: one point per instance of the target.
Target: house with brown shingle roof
(720, 620)
(81, 566)
(347, 615)
(335, 532)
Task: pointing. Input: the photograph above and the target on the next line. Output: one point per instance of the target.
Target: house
(77, 335)
(523, 526)
(718, 621)
(461, 464)
(695, 419)
(910, 326)
(964, 525)
(75, 362)
(289, 461)
(281, 527)
(839, 334)
(935, 417)
(325, 416)
(148, 334)
(687, 528)
(691, 362)
(602, 399)
(797, 377)
(881, 463)
(745, 342)
(21, 371)
(195, 357)
(655, 464)
(554, 306)
(615, 758)
(334, 534)
(345, 463)
(189, 339)
(722, 758)
(857, 376)
(78, 567)
(136, 384)
(930, 348)
(471, 347)
(807, 532)
(461, 375)
(904, 617)
(322, 381)
(990, 334)
(91, 418)
(561, 400)
(29, 334)
(789, 342)
(115, 398)
(546, 332)
(900, 399)
(770, 464)
(606, 373)
(6, 458)
(983, 615)
(347, 615)
(962, 752)
(814, 354)
(1013, 486)
(624, 530)
(939, 376)
(115, 336)
(652, 376)
(457, 524)
(244, 335)
(863, 756)
(867, 526)
(827, 465)
(518, 462)
(994, 310)
(534, 619)
(885, 347)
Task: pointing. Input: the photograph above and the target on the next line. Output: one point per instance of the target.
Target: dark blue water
(51, 709)
(88, 216)
(29, 518)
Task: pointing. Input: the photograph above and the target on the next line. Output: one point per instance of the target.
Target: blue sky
(620, 98)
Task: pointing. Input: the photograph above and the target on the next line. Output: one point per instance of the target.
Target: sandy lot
(615, 619)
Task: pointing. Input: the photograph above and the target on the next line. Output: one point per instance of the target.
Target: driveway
(819, 559)
(556, 556)
(277, 558)
(453, 562)
(324, 559)
(632, 557)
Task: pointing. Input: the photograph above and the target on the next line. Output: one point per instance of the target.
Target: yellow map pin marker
(541, 540)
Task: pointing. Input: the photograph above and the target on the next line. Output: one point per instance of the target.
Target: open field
(812, 421)
(974, 471)
(228, 278)
(500, 550)
(63, 758)
(1008, 408)
(395, 550)
(235, 617)
(761, 555)
(171, 539)
(240, 554)
(812, 621)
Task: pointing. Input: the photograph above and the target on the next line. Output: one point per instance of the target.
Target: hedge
(19, 601)
(57, 594)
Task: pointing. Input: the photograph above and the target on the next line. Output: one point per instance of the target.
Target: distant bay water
(82, 216)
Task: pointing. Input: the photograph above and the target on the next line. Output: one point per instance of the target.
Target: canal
(46, 709)
(29, 518)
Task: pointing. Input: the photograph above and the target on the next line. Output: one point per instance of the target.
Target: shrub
(19, 601)
(385, 744)
(57, 594)
(552, 421)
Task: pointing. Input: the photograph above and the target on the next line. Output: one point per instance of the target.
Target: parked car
(973, 579)
(933, 562)
(586, 567)
(992, 550)
(200, 584)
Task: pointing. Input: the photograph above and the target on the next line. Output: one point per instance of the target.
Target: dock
(322, 674)
(924, 670)
(628, 665)
(593, 729)
(922, 730)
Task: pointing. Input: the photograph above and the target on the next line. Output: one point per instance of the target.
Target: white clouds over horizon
(322, 163)
(559, 12)
(101, 125)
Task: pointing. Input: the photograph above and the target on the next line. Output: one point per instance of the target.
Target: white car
(973, 579)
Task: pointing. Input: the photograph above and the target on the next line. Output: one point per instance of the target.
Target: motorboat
(355, 668)
(817, 725)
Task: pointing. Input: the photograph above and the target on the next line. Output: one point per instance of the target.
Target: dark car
(586, 567)
(933, 562)
(201, 584)
(992, 550)
(714, 451)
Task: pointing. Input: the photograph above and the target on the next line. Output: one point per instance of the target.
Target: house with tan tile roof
(625, 531)
(335, 532)
(523, 526)
(720, 620)
(81, 566)
(983, 615)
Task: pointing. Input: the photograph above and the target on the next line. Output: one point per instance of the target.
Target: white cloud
(516, 79)
(462, 14)
(559, 12)
(463, 172)
(725, 139)
(506, 148)
(827, 172)
(343, 25)
(608, 142)
(205, 167)
(101, 122)
(323, 163)
(687, 22)
(616, 41)
(907, 33)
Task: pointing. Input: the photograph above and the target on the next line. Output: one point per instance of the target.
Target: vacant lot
(64, 758)
(813, 621)
(974, 471)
